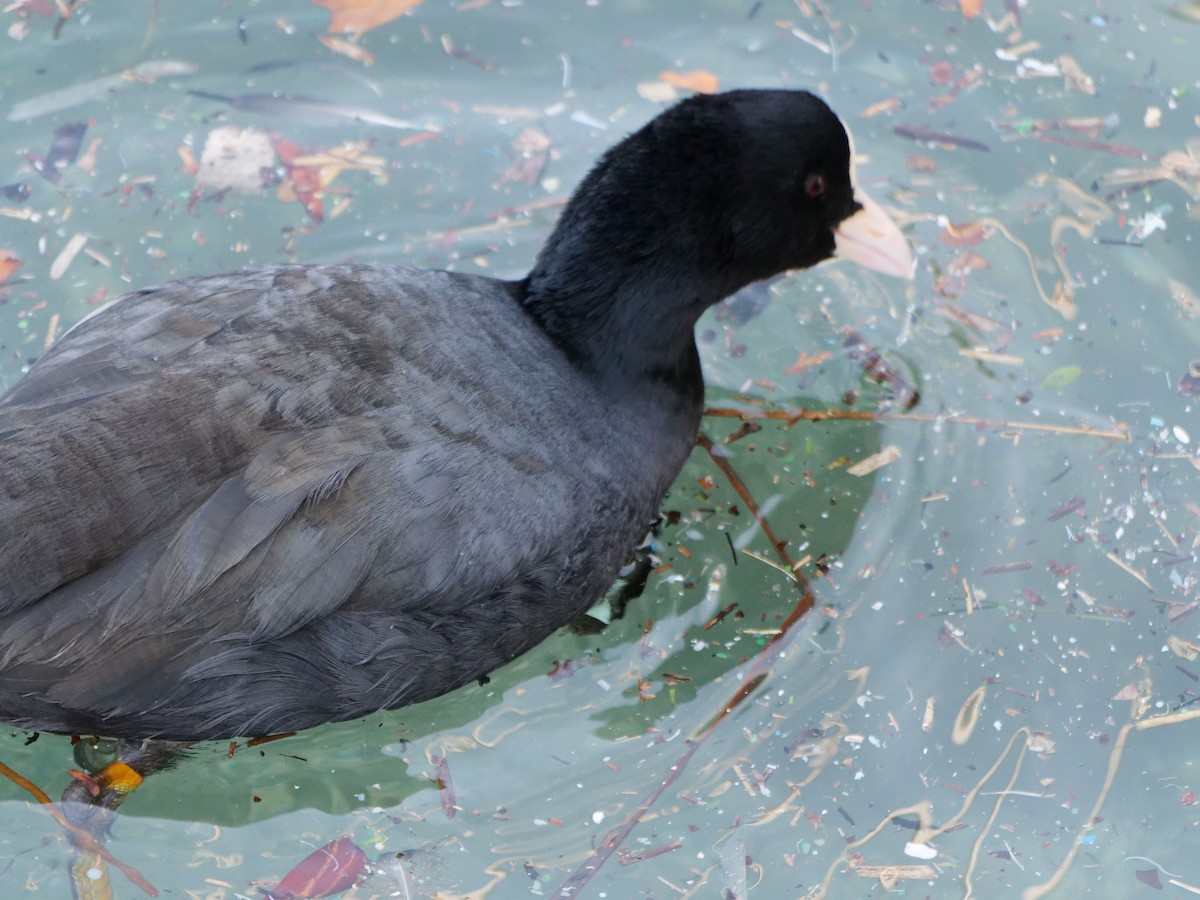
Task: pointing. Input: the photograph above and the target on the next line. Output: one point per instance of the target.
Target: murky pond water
(1003, 641)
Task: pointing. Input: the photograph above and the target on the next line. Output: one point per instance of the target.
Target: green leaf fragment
(1060, 378)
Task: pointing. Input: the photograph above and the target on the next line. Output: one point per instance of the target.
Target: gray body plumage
(285, 496)
(311, 497)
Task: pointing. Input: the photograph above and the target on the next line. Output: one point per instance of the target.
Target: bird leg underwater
(96, 792)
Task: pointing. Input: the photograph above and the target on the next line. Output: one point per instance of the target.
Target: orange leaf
(287, 150)
(8, 264)
(1048, 334)
(360, 16)
(888, 105)
(970, 8)
(697, 80)
(306, 184)
(966, 235)
(190, 166)
(303, 183)
(967, 261)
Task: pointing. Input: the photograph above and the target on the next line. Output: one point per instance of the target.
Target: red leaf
(968, 234)
(326, 871)
(304, 182)
(9, 263)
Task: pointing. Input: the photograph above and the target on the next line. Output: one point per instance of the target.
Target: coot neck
(625, 328)
(643, 247)
(625, 275)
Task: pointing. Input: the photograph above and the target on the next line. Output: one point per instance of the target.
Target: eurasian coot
(261, 501)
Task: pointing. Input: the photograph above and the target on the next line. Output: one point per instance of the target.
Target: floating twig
(757, 672)
(821, 415)
(925, 134)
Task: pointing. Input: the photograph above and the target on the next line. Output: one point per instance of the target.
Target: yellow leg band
(118, 777)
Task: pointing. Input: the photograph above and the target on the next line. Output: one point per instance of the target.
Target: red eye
(814, 185)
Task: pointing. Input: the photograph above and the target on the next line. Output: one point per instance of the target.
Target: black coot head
(776, 164)
(716, 192)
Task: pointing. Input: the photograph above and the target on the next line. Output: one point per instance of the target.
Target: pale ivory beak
(871, 239)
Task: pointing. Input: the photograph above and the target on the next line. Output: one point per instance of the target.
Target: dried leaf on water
(349, 49)
(529, 150)
(891, 104)
(1188, 650)
(9, 263)
(968, 716)
(329, 870)
(1040, 742)
(968, 262)
(311, 174)
(869, 464)
(970, 8)
(968, 234)
(1184, 298)
(953, 280)
(303, 183)
(360, 16)
(1076, 77)
(697, 80)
